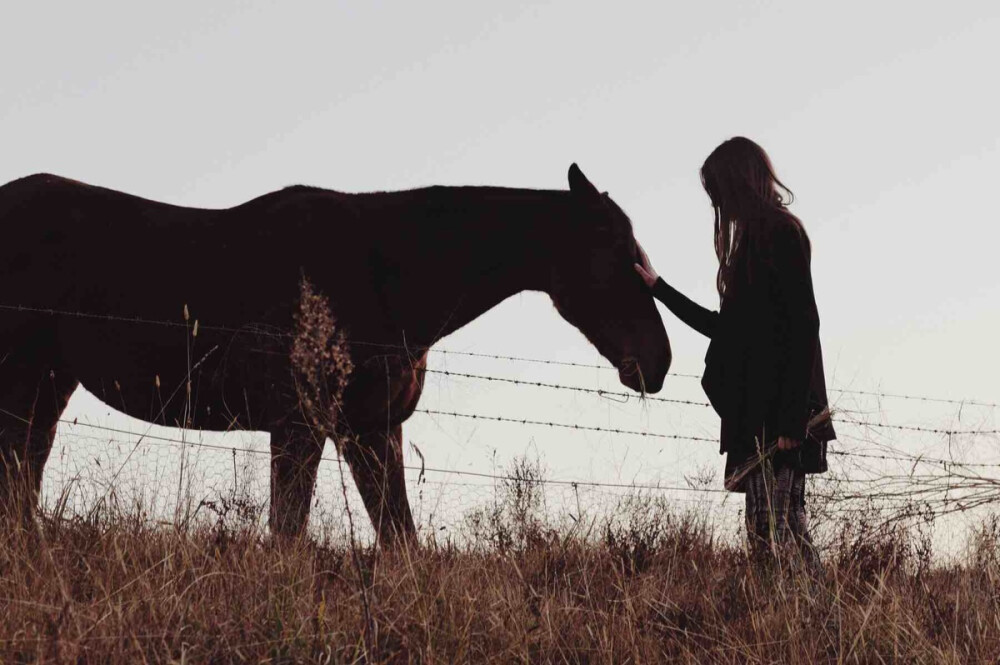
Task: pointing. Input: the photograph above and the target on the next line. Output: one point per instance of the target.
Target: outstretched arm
(701, 319)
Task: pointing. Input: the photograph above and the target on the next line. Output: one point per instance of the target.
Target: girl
(764, 369)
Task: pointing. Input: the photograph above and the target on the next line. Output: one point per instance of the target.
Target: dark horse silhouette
(401, 270)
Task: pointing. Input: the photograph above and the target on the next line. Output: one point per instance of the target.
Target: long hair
(739, 179)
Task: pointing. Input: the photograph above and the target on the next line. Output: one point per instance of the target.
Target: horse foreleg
(33, 398)
(376, 461)
(295, 457)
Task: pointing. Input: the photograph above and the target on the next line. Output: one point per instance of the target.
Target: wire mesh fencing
(906, 457)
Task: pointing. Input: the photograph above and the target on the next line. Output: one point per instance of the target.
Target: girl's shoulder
(780, 241)
(780, 232)
(780, 221)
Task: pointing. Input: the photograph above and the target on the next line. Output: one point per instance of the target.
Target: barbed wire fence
(443, 497)
(943, 470)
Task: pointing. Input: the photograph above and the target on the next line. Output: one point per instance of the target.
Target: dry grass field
(653, 585)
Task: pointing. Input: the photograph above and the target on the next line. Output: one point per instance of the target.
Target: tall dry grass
(650, 585)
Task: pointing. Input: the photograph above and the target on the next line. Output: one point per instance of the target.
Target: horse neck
(460, 251)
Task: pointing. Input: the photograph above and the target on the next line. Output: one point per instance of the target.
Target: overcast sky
(881, 117)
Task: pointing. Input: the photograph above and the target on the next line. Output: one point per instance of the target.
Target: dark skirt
(809, 457)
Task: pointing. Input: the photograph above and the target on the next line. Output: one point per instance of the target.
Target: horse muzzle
(633, 375)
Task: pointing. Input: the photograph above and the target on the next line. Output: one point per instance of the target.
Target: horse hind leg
(34, 391)
(295, 457)
(376, 462)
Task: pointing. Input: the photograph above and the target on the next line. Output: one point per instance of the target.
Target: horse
(176, 315)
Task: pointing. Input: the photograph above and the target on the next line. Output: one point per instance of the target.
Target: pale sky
(881, 117)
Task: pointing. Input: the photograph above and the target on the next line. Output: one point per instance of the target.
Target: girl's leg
(775, 513)
(799, 523)
(759, 511)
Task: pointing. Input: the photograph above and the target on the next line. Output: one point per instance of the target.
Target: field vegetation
(649, 584)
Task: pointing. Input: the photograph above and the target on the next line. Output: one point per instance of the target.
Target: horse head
(595, 288)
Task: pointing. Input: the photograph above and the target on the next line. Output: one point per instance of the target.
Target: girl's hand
(644, 268)
(785, 443)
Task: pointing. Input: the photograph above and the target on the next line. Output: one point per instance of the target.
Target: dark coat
(764, 366)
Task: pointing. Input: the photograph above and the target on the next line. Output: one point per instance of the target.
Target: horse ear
(578, 183)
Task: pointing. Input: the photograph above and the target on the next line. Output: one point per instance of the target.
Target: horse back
(76, 247)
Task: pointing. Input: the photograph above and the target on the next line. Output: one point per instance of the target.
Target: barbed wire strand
(603, 393)
(545, 423)
(265, 330)
(559, 386)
